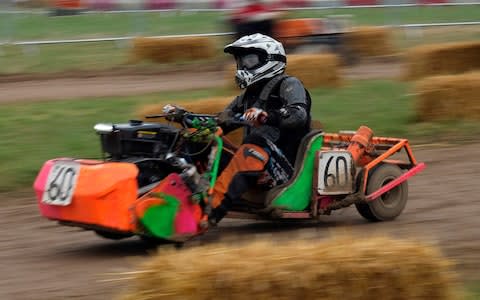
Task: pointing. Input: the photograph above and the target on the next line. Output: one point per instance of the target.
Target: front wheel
(391, 204)
(153, 241)
(112, 235)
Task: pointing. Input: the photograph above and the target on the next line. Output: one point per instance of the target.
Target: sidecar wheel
(391, 204)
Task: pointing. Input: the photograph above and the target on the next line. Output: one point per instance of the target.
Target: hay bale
(448, 97)
(442, 59)
(201, 106)
(368, 41)
(165, 50)
(314, 70)
(338, 268)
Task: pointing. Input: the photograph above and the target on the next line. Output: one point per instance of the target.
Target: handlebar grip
(155, 116)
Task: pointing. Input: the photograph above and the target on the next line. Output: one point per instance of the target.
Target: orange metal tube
(382, 157)
(331, 137)
(410, 153)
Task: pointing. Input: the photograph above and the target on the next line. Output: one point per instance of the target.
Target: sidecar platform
(298, 198)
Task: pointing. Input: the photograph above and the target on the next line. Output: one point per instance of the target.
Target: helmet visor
(248, 61)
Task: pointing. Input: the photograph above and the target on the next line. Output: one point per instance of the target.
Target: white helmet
(258, 56)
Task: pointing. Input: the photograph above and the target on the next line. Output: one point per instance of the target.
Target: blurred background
(80, 34)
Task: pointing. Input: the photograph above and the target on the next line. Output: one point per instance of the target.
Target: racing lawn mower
(155, 180)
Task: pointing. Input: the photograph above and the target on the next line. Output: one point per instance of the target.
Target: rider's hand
(171, 109)
(255, 115)
(174, 112)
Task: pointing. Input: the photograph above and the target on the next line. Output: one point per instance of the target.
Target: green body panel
(296, 197)
(216, 163)
(159, 220)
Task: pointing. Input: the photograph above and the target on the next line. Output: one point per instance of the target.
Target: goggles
(249, 61)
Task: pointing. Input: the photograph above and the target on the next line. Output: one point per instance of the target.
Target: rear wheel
(391, 204)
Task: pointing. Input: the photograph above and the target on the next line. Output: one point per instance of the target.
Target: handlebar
(156, 116)
(194, 120)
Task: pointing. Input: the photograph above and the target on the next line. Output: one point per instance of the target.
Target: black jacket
(288, 106)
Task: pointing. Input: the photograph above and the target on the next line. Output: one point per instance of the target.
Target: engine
(136, 139)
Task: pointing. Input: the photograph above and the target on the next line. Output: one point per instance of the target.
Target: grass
(92, 56)
(380, 104)
(401, 15)
(34, 132)
(41, 27)
(38, 26)
(64, 57)
(473, 291)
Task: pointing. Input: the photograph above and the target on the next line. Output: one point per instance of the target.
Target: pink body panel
(49, 211)
(392, 184)
(185, 220)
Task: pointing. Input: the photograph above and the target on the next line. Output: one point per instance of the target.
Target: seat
(295, 194)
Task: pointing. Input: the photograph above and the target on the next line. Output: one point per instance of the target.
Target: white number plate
(61, 183)
(335, 173)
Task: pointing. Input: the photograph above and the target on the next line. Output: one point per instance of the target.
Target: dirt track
(117, 85)
(41, 260)
(35, 88)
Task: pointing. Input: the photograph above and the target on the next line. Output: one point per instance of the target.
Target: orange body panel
(104, 195)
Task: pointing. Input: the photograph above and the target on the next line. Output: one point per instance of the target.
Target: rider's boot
(218, 213)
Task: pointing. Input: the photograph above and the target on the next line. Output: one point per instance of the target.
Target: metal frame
(392, 146)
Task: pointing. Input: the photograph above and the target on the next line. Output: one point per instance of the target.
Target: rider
(278, 107)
